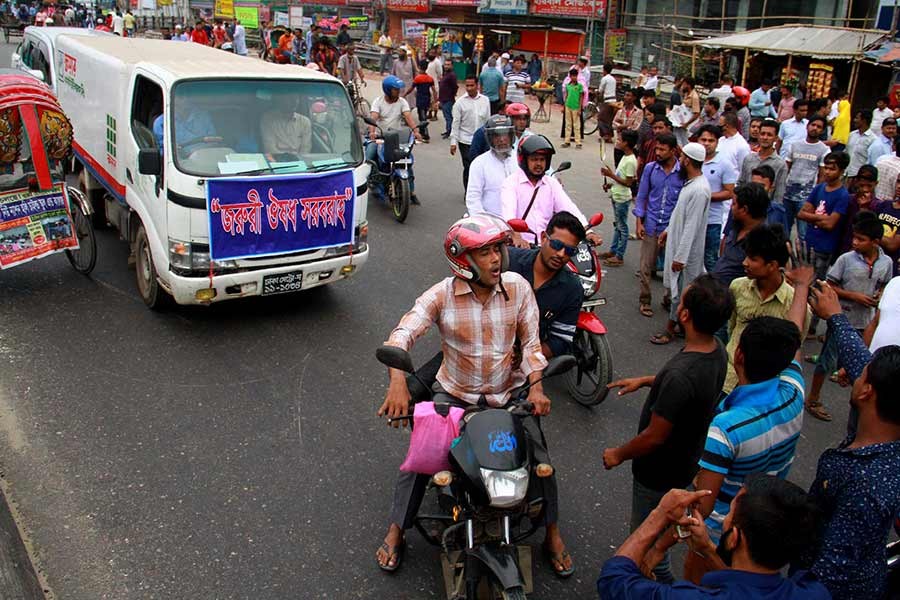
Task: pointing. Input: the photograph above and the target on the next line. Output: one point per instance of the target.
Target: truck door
(145, 130)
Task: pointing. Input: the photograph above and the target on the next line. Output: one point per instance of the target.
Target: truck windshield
(255, 127)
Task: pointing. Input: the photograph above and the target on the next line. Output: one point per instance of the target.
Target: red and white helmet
(471, 233)
(518, 109)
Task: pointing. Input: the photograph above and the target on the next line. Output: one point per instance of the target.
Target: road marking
(299, 396)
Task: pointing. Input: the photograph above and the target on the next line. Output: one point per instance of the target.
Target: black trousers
(466, 161)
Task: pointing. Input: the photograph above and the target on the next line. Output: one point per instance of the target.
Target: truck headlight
(179, 255)
(185, 257)
(505, 488)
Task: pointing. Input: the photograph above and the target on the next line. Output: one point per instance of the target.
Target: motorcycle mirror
(395, 358)
(559, 365)
(596, 219)
(370, 121)
(564, 166)
(519, 225)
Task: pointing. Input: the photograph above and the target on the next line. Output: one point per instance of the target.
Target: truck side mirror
(149, 161)
(36, 73)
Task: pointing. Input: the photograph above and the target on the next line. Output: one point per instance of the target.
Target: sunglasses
(558, 245)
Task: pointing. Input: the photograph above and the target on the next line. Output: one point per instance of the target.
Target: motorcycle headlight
(589, 284)
(505, 488)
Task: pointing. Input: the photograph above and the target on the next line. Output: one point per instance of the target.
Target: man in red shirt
(199, 34)
(219, 36)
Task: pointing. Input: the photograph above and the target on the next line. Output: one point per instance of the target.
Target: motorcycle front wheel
(587, 381)
(400, 199)
(516, 593)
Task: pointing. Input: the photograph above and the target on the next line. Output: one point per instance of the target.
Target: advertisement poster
(224, 9)
(419, 6)
(359, 23)
(615, 44)
(412, 29)
(282, 19)
(295, 17)
(265, 216)
(32, 226)
(569, 8)
(503, 7)
(248, 16)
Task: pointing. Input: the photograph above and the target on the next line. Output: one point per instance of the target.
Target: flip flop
(558, 558)
(646, 310)
(391, 551)
(662, 338)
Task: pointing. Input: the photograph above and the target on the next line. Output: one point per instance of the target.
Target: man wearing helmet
(489, 170)
(519, 114)
(530, 194)
(479, 302)
(390, 111)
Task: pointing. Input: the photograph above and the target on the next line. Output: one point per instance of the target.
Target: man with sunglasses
(556, 289)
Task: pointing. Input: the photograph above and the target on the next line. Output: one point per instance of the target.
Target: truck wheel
(148, 287)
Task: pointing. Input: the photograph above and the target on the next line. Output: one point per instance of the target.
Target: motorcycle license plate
(595, 302)
(282, 283)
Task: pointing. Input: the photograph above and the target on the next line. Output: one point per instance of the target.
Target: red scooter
(587, 382)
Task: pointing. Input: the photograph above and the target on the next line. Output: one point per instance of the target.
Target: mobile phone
(684, 532)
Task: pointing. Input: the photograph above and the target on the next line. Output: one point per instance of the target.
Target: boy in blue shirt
(823, 212)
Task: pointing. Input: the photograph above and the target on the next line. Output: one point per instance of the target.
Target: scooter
(482, 499)
(392, 170)
(587, 383)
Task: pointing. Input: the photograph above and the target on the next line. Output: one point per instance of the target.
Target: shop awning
(884, 53)
(799, 40)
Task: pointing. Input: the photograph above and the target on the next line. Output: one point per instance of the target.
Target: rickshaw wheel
(84, 259)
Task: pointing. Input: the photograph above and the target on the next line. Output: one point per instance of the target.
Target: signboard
(265, 13)
(456, 2)
(32, 226)
(360, 23)
(615, 44)
(581, 9)
(145, 4)
(503, 7)
(295, 17)
(254, 216)
(413, 29)
(224, 9)
(419, 6)
(282, 19)
(248, 16)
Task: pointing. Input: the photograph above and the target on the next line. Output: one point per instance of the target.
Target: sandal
(662, 338)
(613, 261)
(395, 551)
(557, 560)
(818, 411)
(811, 358)
(646, 310)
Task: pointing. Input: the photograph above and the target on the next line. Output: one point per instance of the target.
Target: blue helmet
(392, 82)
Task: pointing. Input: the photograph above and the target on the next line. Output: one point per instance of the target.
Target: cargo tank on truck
(229, 177)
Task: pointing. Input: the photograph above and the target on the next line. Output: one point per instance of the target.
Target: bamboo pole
(546, 44)
(693, 61)
(744, 69)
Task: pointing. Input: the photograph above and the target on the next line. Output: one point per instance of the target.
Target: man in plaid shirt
(481, 313)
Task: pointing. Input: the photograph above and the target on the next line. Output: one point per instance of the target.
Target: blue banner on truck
(267, 216)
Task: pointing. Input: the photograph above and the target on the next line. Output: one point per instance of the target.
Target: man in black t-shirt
(679, 407)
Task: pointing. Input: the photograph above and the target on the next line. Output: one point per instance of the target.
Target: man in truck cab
(192, 126)
(283, 130)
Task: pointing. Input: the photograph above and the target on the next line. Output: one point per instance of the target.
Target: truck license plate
(282, 283)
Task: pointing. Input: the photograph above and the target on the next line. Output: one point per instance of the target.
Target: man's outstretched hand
(396, 401)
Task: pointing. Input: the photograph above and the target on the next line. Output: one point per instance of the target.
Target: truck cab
(159, 124)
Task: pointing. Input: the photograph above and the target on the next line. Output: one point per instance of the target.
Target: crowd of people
(120, 22)
(764, 227)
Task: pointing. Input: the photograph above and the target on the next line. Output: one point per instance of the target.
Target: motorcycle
(587, 383)
(482, 499)
(391, 170)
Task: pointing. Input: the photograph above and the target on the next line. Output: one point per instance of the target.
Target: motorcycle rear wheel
(594, 368)
(400, 199)
(516, 593)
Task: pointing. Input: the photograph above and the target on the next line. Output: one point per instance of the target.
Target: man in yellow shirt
(763, 292)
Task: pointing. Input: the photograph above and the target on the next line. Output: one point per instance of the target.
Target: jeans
(643, 501)
(649, 252)
(711, 251)
(794, 198)
(385, 62)
(447, 109)
(620, 235)
(423, 122)
(370, 149)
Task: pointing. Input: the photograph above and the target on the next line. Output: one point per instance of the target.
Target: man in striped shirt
(518, 81)
(757, 425)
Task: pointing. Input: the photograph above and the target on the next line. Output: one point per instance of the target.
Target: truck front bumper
(202, 290)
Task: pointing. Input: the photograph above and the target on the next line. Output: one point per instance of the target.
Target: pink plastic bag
(431, 437)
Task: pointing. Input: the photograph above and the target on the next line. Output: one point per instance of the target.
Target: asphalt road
(233, 451)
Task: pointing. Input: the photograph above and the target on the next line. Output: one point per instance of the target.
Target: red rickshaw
(39, 214)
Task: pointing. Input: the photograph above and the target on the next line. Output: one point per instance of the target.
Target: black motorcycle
(484, 510)
(392, 168)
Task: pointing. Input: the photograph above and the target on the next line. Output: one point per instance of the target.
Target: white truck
(228, 176)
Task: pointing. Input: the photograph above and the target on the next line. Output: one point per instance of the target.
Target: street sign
(503, 7)
(569, 8)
